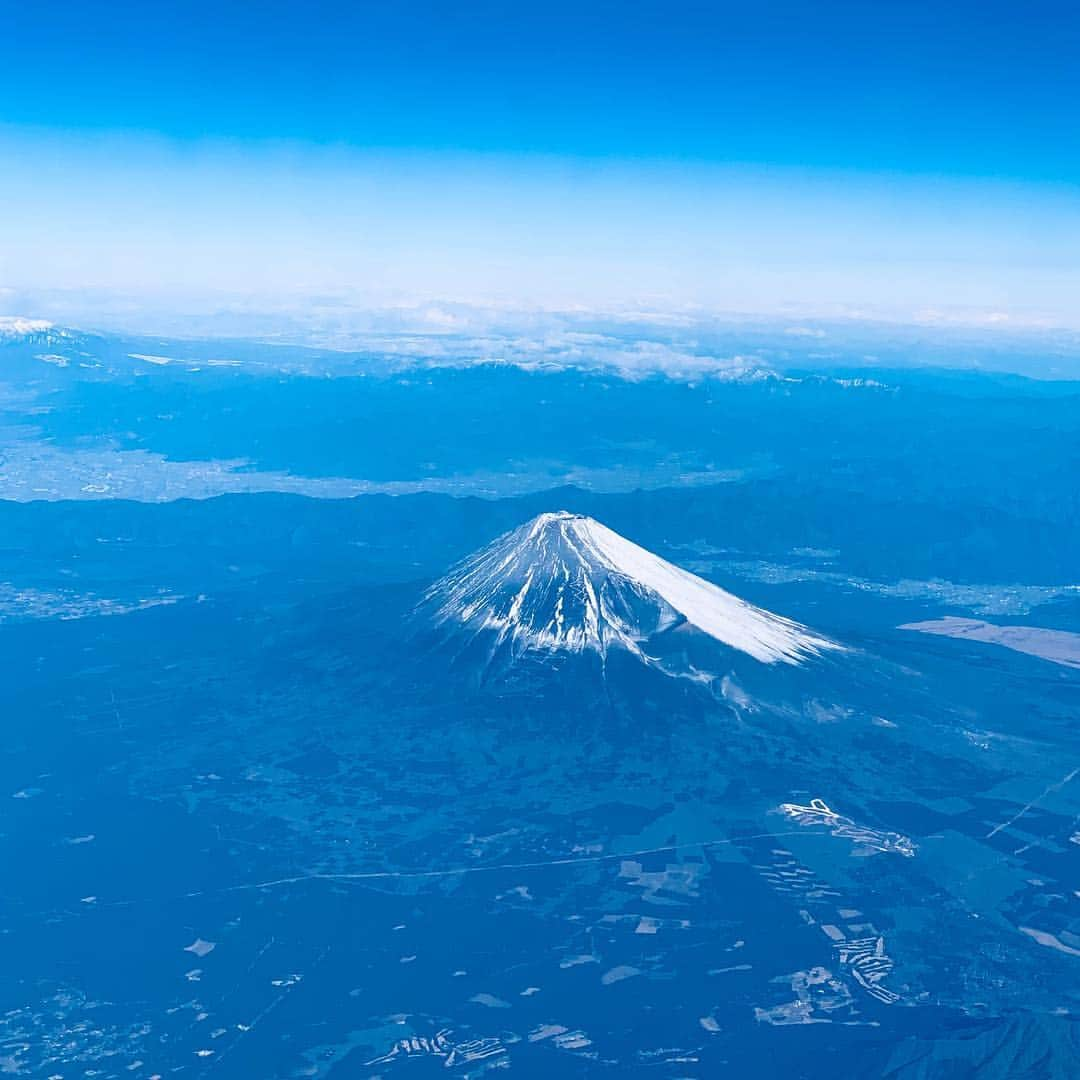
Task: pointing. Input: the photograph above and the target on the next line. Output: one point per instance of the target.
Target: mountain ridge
(565, 583)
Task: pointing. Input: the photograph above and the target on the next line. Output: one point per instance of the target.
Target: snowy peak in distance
(14, 329)
(564, 582)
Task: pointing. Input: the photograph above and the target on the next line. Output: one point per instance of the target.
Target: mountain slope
(566, 583)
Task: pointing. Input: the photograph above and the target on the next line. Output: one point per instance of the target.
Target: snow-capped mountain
(14, 326)
(16, 330)
(564, 582)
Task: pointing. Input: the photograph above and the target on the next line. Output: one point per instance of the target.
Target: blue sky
(880, 156)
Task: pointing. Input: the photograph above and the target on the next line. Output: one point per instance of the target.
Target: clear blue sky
(680, 137)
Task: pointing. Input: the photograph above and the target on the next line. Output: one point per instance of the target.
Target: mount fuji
(565, 583)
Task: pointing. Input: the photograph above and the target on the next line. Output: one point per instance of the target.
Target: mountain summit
(566, 583)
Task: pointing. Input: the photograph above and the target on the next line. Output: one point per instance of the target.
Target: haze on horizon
(870, 161)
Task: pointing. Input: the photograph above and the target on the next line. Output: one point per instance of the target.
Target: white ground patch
(1057, 646)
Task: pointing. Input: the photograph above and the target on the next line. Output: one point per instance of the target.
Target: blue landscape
(540, 541)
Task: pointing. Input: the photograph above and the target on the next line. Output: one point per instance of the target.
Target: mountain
(15, 330)
(1024, 1046)
(565, 583)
